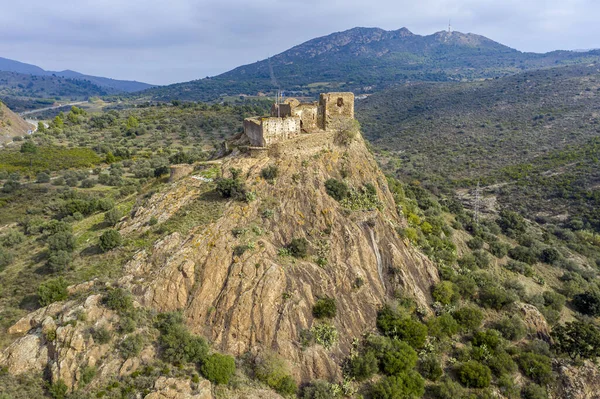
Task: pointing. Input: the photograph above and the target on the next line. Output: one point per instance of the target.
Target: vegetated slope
(116, 85)
(11, 124)
(364, 60)
(536, 130)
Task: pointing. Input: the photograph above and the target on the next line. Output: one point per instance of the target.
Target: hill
(297, 271)
(11, 125)
(365, 60)
(7, 65)
(532, 138)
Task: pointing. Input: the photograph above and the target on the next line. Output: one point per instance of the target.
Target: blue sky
(180, 40)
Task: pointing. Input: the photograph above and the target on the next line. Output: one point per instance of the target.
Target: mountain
(11, 124)
(365, 60)
(530, 140)
(7, 65)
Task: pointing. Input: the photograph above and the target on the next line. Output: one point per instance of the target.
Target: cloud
(179, 40)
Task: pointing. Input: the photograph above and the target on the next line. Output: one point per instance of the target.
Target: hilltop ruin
(291, 118)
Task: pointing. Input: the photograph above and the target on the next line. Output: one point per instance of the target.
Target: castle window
(340, 102)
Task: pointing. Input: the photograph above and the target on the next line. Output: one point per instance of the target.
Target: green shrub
(87, 375)
(110, 239)
(59, 261)
(495, 297)
(588, 302)
(535, 366)
(42, 177)
(578, 339)
(298, 247)
(363, 366)
(273, 371)
(519, 267)
(101, 335)
(499, 249)
(501, 363)
(549, 255)
(430, 368)
(119, 300)
(404, 385)
(473, 374)
(443, 326)
(6, 258)
(113, 216)
(554, 300)
(319, 389)
(325, 335)
(523, 254)
(218, 368)
(12, 238)
(490, 338)
(177, 344)
(270, 172)
(53, 290)
(58, 390)
(400, 358)
(511, 328)
(447, 389)
(469, 318)
(445, 293)
(511, 222)
(324, 308)
(131, 346)
(337, 189)
(403, 328)
(533, 391)
(475, 243)
(61, 241)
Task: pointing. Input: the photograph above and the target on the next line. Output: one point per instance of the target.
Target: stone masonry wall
(334, 106)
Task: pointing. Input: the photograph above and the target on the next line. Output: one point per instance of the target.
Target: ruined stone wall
(308, 116)
(279, 129)
(333, 107)
(253, 129)
(281, 110)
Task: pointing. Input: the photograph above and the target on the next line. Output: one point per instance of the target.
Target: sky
(168, 41)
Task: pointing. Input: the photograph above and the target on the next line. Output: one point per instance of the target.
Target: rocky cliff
(232, 275)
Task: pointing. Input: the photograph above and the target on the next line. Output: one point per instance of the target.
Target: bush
(430, 368)
(58, 261)
(52, 291)
(62, 241)
(445, 293)
(400, 358)
(298, 247)
(469, 318)
(511, 222)
(533, 391)
(58, 390)
(588, 302)
(320, 389)
(501, 363)
(6, 258)
(42, 177)
(403, 328)
(218, 368)
(523, 254)
(113, 217)
(270, 172)
(489, 338)
(101, 335)
(110, 239)
(535, 366)
(498, 249)
(475, 243)
(337, 189)
(324, 308)
(131, 346)
(404, 385)
(495, 297)
(578, 339)
(325, 335)
(443, 326)
(362, 366)
(177, 344)
(273, 371)
(519, 267)
(511, 328)
(549, 255)
(448, 389)
(118, 300)
(473, 374)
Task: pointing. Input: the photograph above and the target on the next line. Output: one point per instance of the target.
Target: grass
(207, 208)
(51, 158)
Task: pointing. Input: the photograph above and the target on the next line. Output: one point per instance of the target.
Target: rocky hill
(365, 60)
(248, 273)
(11, 124)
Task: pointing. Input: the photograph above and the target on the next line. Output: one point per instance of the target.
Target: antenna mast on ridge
(449, 26)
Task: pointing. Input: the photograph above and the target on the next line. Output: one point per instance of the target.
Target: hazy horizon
(157, 43)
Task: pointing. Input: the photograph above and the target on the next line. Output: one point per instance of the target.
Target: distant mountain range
(112, 85)
(365, 60)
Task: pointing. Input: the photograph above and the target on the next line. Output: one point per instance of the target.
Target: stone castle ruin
(291, 118)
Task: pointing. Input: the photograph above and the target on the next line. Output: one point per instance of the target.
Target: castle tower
(333, 107)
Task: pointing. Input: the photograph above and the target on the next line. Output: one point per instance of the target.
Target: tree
(29, 149)
(403, 385)
(399, 359)
(578, 339)
(52, 291)
(110, 239)
(588, 302)
(41, 128)
(473, 374)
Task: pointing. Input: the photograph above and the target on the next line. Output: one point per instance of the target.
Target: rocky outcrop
(173, 388)
(535, 321)
(574, 382)
(234, 286)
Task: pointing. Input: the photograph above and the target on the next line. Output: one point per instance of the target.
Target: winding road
(49, 108)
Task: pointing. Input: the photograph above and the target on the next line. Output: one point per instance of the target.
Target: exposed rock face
(577, 382)
(173, 388)
(253, 299)
(535, 321)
